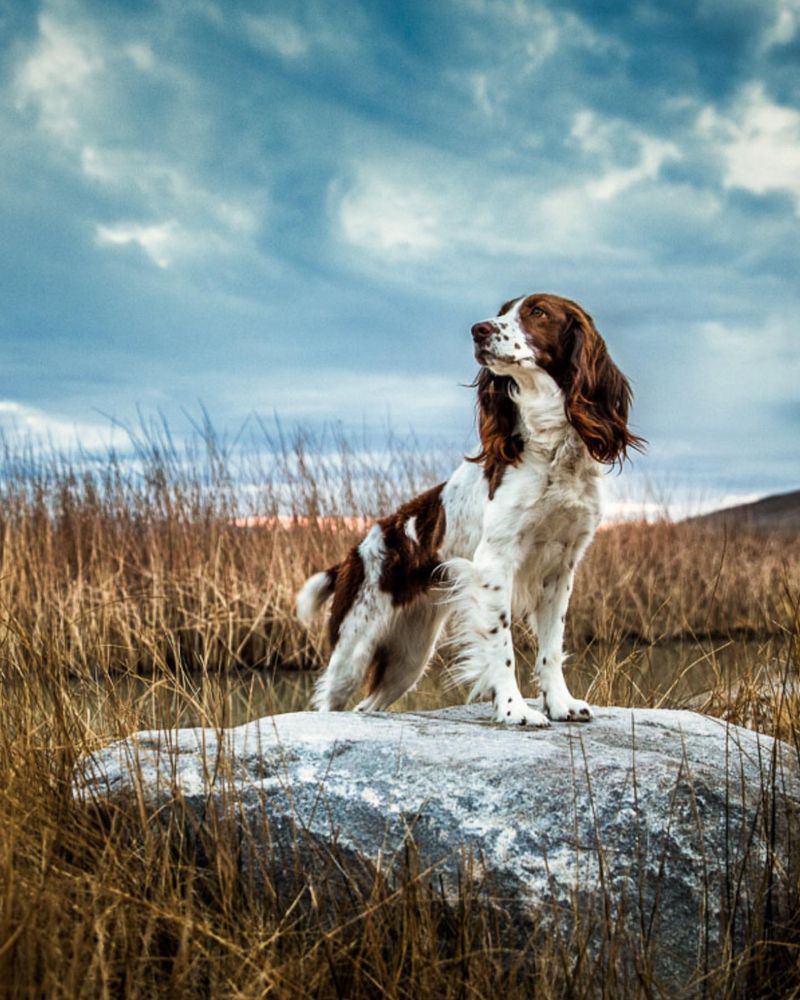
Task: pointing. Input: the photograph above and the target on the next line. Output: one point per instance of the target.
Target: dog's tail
(315, 592)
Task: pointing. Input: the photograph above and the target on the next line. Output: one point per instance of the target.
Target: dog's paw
(567, 709)
(516, 713)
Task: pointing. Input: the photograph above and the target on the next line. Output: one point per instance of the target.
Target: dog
(501, 537)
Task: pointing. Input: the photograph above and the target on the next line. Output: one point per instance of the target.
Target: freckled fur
(503, 535)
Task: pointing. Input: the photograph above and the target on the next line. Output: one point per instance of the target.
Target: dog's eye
(537, 312)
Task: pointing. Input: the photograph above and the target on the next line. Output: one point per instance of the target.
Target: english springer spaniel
(501, 537)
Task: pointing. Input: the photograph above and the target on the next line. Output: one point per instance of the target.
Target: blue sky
(300, 208)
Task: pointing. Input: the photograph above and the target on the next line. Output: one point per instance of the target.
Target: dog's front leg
(549, 621)
(483, 588)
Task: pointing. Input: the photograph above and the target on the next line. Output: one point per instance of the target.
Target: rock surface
(653, 814)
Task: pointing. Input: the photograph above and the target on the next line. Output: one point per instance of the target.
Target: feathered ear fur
(598, 395)
(501, 444)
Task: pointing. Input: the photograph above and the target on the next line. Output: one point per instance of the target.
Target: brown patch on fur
(501, 445)
(507, 305)
(348, 576)
(408, 565)
(377, 670)
(598, 396)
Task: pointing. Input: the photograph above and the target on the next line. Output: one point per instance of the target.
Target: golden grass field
(130, 597)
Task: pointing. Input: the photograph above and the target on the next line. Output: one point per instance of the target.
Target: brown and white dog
(501, 537)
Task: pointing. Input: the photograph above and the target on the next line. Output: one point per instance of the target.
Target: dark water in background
(667, 675)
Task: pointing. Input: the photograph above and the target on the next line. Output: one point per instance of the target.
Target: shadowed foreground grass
(111, 901)
(126, 587)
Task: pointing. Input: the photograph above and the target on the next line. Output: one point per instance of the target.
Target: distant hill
(776, 513)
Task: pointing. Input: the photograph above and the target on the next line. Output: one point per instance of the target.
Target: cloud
(515, 41)
(276, 34)
(49, 429)
(420, 219)
(758, 142)
(392, 215)
(88, 93)
(784, 28)
(220, 223)
(59, 78)
(161, 242)
(534, 32)
(141, 56)
(398, 173)
(601, 140)
(396, 209)
(540, 34)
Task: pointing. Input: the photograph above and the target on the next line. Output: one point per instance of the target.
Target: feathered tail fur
(315, 592)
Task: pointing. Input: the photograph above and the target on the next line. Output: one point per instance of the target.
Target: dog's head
(554, 335)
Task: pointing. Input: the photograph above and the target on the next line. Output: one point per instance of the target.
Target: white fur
(516, 552)
(311, 598)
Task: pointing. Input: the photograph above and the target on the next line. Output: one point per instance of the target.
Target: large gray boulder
(661, 821)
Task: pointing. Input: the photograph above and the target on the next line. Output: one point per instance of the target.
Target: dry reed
(142, 564)
(135, 566)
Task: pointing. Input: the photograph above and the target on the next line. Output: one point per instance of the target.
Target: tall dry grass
(141, 563)
(128, 598)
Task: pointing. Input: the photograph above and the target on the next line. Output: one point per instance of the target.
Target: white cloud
(167, 188)
(536, 31)
(542, 34)
(743, 371)
(398, 210)
(403, 211)
(392, 214)
(526, 37)
(80, 86)
(784, 28)
(161, 242)
(759, 143)
(602, 138)
(283, 36)
(43, 427)
(59, 78)
(394, 210)
(141, 55)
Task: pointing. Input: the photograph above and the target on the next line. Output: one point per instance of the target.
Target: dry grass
(664, 580)
(115, 902)
(139, 566)
(126, 589)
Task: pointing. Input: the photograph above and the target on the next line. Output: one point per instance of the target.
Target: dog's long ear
(598, 395)
(501, 444)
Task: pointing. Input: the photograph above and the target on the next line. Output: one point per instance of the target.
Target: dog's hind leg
(360, 634)
(343, 676)
(403, 654)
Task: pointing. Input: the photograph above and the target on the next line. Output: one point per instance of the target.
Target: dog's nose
(482, 332)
